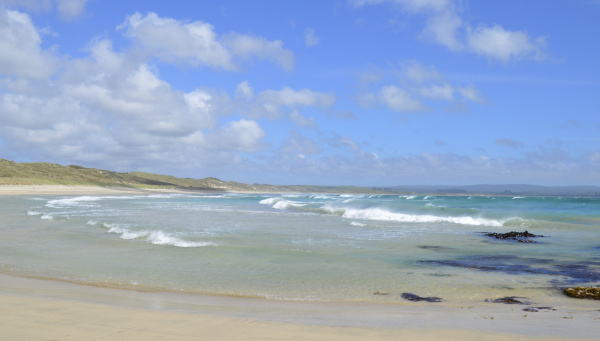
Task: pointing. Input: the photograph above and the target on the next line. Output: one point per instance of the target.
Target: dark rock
(417, 298)
(582, 292)
(521, 237)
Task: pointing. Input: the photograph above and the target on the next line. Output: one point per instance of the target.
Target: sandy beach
(34, 309)
(39, 309)
(72, 190)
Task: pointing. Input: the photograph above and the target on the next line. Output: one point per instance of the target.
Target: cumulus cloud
(497, 43)
(197, 44)
(22, 55)
(398, 99)
(445, 26)
(243, 135)
(112, 108)
(419, 86)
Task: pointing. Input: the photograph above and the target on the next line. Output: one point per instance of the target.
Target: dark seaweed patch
(436, 248)
(509, 300)
(417, 298)
(568, 273)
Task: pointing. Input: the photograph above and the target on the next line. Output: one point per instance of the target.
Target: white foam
(162, 238)
(384, 215)
(357, 224)
(76, 201)
(281, 203)
(47, 217)
(154, 237)
(33, 213)
(269, 201)
(84, 201)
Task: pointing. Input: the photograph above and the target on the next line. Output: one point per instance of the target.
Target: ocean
(352, 248)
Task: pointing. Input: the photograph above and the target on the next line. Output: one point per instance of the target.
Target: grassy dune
(41, 173)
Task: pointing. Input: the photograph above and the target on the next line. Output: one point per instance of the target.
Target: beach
(50, 304)
(44, 310)
(73, 190)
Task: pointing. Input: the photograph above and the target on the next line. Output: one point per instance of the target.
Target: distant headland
(42, 173)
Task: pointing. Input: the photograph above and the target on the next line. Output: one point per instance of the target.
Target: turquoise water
(306, 247)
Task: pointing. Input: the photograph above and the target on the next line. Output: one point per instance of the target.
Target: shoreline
(51, 309)
(82, 190)
(37, 309)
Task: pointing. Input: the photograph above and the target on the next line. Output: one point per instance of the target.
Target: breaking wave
(157, 237)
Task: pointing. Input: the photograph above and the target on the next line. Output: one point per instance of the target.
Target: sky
(329, 92)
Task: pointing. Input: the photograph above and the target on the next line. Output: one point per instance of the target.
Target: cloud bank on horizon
(360, 92)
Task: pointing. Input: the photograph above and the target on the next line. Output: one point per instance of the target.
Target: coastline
(80, 190)
(39, 309)
(35, 309)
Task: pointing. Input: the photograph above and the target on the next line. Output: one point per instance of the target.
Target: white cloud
(243, 135)
(310, 37)
(443, 92)
(244, 91)
(21, 54)
(271, 102)
(70, 9)
(418, 85)
(408, 5)
(302, 120)
(472, 93)
(497, 43)
(398, 99)
(420, 73)
(446, 27)
(443, 28)
(197, 44)
(246, 47)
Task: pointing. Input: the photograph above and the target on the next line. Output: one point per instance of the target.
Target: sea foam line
(280, 203)
(384, 215)
(158, 237)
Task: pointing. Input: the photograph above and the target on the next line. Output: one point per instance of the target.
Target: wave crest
(157, 237)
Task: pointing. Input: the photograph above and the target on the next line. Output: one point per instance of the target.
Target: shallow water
(306, 247)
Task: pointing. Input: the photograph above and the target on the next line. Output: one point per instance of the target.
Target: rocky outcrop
(582, 292)
(522, 237)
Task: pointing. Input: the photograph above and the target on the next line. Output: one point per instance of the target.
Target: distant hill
(41, 173)
(510, 189)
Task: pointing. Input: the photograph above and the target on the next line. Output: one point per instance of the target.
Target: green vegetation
(41, 173)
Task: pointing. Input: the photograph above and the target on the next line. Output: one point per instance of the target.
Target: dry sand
(35, 309)
(75, 190)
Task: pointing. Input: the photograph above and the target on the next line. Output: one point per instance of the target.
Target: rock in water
(521, 237)
(581, 292)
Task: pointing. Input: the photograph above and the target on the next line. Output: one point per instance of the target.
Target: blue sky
(348, 92)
